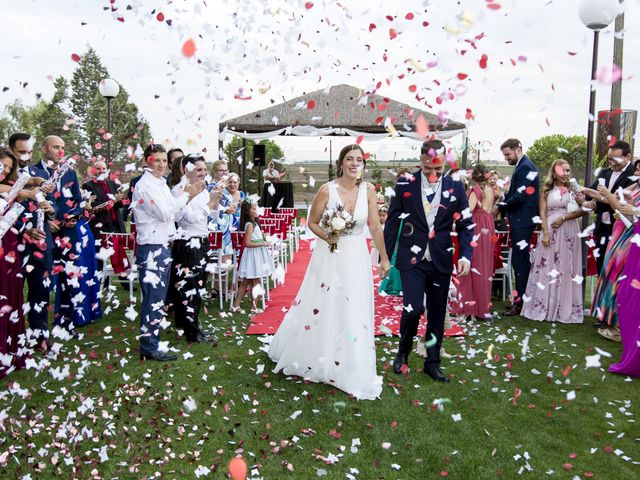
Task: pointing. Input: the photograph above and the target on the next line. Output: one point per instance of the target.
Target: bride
(327, 335)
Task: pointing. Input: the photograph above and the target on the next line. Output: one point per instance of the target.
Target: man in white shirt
(156, 210)
(190, 249)
(614, 177)
(271, 174)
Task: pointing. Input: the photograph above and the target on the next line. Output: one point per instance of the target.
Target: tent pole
(244, 164)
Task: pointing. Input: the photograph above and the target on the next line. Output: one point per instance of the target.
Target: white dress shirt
(193, 220)
(155, 210)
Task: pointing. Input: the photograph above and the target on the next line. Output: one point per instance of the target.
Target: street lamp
(596, 15)
(109, 89)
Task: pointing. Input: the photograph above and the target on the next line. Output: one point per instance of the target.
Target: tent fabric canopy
(338, 110)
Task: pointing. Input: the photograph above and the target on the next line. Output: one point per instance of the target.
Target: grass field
(521, 402)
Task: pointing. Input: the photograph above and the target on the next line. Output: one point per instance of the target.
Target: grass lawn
(521, 402)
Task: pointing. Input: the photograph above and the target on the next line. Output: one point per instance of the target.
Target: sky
(252, 53)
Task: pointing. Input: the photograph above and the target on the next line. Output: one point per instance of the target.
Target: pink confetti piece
(189, 48)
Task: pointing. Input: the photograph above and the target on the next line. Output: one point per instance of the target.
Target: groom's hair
(432, 148)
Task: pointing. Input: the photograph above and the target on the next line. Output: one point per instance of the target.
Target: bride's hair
(343, 153)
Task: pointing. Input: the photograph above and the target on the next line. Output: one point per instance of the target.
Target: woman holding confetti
(554, 290)
(327, 335)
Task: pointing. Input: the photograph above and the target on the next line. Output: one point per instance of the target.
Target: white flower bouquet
(337, 222)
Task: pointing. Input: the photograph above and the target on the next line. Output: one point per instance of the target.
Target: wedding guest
(256, 262)
(520, 205)
(77, 299)
(155, 211)
(12, 328)
(105, 193)
(190, 249)
(21, 145)
(38, 243)
(475, 289)
(615, 176)
(628, 307)
(174, 156)
(553, 291)
(271, 174)
(176, 171)
(229, 220)
(604, 306)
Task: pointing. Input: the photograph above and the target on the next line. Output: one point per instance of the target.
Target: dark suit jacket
(415, 231)
(103, 221)
(622, 182)
(29, 217)
(520, 205)
(129, 208)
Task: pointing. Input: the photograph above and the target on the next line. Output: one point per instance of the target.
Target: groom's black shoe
(434, 372)
(398, 361)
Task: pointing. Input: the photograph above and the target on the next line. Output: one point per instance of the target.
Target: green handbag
(392, 284)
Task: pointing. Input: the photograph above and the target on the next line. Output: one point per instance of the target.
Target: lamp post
(109, 89)
(596, 15)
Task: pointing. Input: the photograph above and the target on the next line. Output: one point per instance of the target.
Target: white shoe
(444, 354)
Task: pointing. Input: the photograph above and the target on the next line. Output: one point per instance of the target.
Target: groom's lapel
(416, 193)
(445, 198)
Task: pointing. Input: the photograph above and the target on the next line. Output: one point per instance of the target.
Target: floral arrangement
(336, 222)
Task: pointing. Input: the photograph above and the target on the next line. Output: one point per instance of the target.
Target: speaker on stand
(259, 161)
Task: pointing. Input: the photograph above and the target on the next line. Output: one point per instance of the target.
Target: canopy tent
(338, 110)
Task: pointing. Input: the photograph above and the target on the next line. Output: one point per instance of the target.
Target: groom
(428, 202)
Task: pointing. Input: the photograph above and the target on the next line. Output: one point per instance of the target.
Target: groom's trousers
(423, 280)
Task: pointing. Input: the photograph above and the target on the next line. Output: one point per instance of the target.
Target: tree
(551, 147)
(128, 127)
(54, 118)
(18, 118)
(233, 152)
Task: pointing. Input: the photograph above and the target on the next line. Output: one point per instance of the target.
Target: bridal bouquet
(337, 222)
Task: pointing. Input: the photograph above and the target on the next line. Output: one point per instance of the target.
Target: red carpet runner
(387, 308)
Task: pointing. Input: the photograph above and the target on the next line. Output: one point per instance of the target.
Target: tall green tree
(89, 108)
(551, 147)
(18, 117)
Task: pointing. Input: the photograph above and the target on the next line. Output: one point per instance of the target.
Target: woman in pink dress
(13, 350)
(554, 290)
(475, 288)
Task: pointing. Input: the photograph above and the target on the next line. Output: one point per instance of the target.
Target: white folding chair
(504, 274)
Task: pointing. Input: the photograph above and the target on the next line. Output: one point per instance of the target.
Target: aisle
(387, 308)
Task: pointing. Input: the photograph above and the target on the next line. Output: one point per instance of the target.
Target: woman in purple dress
(628, 307)
(553, 291)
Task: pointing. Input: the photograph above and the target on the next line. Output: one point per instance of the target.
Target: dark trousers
(64, 315)
(421, 280)
(38, 290)
(602, 234)
(521, 259)
(188, 271)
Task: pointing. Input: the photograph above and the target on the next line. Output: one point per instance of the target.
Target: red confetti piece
(456, 216)
(572, 53)
(237, 468)
(573, 455)
(189, 48)
(160, 17)
(308, 5)
(335, 434)
(392, 33)
(462, 76)
(635, 283)
(372, 26)
(311, 104)
(494, 6)
(75, 57)
(425, 24)
(412, 88)
(444, 473)
(409, 16)
(406, 194)
(359, 139)
(530, 190)
(469, 114)
(483, 60)
(422, 127)
(567, 466)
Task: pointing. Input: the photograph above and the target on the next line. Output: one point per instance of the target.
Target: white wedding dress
(327, 335)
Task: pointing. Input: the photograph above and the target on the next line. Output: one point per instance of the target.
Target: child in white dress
(256, 261)
(383, 211)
